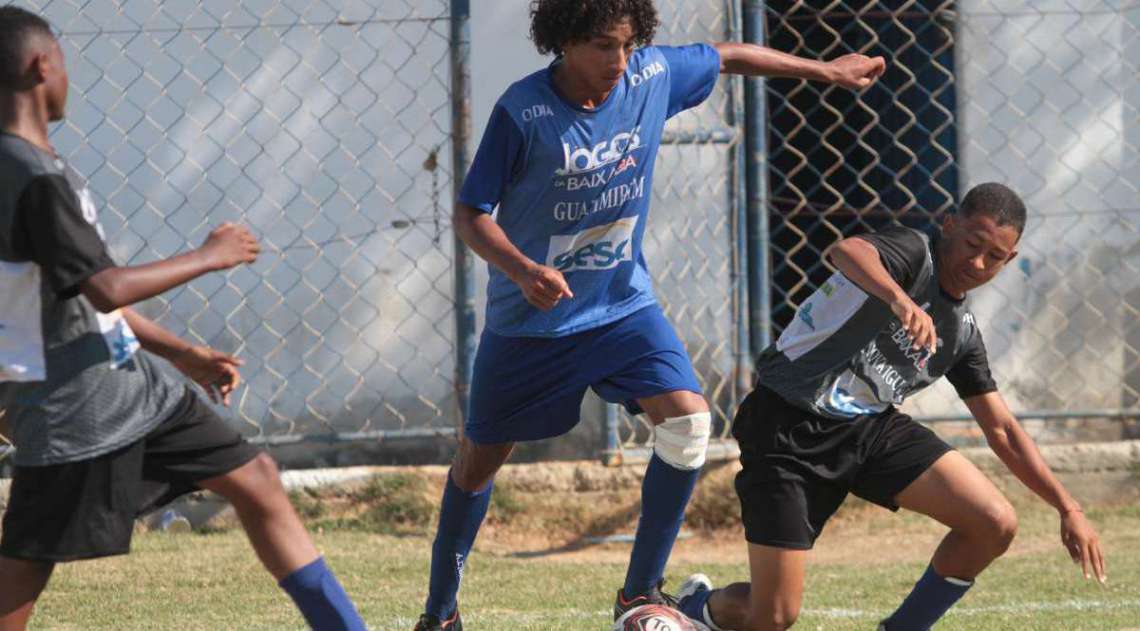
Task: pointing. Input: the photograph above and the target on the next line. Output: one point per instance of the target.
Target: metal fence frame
(744, 138)
(463, 276)
(756, 242)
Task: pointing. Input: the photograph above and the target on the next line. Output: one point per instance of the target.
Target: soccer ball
(654, 618)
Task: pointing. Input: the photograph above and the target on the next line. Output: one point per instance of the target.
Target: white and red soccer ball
(655, 618)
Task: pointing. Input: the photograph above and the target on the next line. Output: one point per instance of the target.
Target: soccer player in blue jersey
(822, 422)
(556, 201)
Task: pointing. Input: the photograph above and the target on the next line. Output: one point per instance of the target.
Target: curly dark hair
(554, 23)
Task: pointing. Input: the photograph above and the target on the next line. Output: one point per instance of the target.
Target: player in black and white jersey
(822, 421)
(102, 432)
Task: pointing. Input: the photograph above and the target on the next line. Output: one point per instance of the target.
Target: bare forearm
(480, 232)
(1020, 454)
(118, 287)
(155, 338)
(760, 61)
(859, 261)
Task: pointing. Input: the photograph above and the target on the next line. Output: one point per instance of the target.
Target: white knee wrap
(682, 440)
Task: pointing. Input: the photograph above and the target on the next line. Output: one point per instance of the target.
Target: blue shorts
(530, 388)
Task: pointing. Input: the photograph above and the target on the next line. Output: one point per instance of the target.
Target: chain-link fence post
(756, 183)
(694, 241)
(324, 127)
(460, 51)
(1036, 95)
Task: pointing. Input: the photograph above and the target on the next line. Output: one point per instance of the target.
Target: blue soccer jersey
(572, 186)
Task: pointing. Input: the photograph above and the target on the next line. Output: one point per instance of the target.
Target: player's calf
(274, 529)
(284, 546)
(679, 447)
(23, 583)
(777, 619)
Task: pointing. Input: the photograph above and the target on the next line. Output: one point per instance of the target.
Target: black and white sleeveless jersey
(72, 384)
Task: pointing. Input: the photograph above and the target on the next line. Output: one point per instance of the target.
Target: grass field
(862, 567)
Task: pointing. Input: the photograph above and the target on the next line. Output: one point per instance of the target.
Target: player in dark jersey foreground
(567, 160)
(102, 433)
(822, 421)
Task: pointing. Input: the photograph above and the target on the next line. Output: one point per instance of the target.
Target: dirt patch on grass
(532, 509)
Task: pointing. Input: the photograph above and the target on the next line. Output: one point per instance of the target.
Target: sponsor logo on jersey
(805, 316)
(597, 178)
(536, 111)
(579, 160)
(647, 73)
(597, 248)
(612, 197)
(919, 357)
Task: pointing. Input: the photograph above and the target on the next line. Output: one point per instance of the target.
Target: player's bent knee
(475, 465)
(682, 441)
(264, 471)
(1003, 527)
(257, 483)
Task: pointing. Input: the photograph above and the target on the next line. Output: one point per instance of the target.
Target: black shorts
(799, 466)
(86, 509)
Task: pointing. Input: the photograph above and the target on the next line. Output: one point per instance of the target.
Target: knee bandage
(682, 441)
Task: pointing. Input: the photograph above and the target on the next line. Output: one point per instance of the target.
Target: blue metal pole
(460, 53)
(756, 189)
(734, 115)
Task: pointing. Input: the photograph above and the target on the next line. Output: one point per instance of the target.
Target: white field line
(603, 616)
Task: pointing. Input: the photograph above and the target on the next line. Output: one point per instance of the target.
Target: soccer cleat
(692, 585)
(689, 598)
(429, 622)
(653, 597)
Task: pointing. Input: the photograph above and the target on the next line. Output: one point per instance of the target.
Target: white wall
(1048, 105)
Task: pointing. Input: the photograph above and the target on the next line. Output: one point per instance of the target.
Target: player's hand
(230, 245)
(542, 286)
(214, 370)
(917, 323)
(856, 71)
(1080, 539)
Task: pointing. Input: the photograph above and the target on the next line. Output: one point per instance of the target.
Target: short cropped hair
(997, 201)
(17, 27)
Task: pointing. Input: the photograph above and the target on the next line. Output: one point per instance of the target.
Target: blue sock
(321, 599)
(459, 521)
(930, 599)
(664, 494)
(694, 606)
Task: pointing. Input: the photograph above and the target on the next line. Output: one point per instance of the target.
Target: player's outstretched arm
(853, 71)
(215, 371)
(1019, 453)
(542, 286)
(859, 261)
(227, 246)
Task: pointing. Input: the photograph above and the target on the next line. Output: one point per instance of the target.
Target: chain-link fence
(1041, 96)
(693, 238)
(325, 127)
(328, 128)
